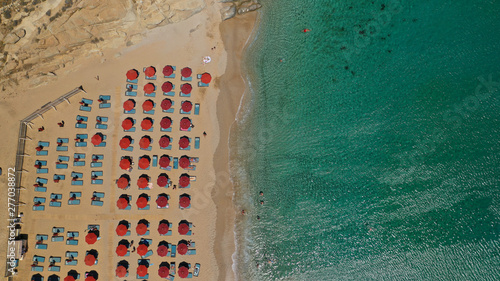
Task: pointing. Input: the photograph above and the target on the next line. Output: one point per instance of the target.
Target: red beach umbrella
(186, 88)
(149, 88)
(143, 163)
(163, 228)
(165, 122)
(122, 203)
(121, 230)
(183, 142)
(162, 250)
(69, 278)
(122, 182)
(183, 228)
(164, 141)
(142, 182)
(89, 260)
(184, 162)
(186, 72)
(146, 124)
(150, 71)
(166, 104)
(141, 202)
(164, 161)
(184, 181)
(162, 181)
(186, 106)
(141, 229)
(96, 139)
(132, 74)
(163, 272)
(125, 163)
(147, 105)
(183, 272)
(185, 123)
(206, 78)
(127, 124)
(129, 104)
(182, 249)
(184, 202)
(167, 87)
(124, 143)
(121, 271)
(142, 249)
(144, 142)
(90, 278)
(39, 148)
(142, 270)
(162, 202)
(91, 238)
(168, 70)
(121, 251)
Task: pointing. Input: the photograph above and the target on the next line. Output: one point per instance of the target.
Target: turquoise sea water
(375, 141)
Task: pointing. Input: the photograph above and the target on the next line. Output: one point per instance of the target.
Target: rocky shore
(41, 37)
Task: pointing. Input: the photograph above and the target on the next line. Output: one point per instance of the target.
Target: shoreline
(236, 35)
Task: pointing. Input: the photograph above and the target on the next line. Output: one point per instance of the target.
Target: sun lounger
(73, 234)
(44, 143)
(96, 181)
(55, 268)
(42, 171)
(184, 112)
(196, 142)
(170, 94)
(131, 93)
(104, 104)
(97, 203)
(191, 252)
(57, 239)
(63, 140)
(184, 95)
(196, 109)
(87, 101)
(93, 226)
(152, 95)
(77, 182)
(105, 97)
(41, 246)
(155, 161)
(76, 194)
(152, 111)
(81, 125)
(62, 166)
(98, 194)
(170, 278)
(132, 81)
(42, 236)
(41, 162)
(102, 144)
(148, 254)
(73, 262)
(42, 153)
(176, 163)
(82, 118)
(98, 156)
(39, 208)
(55, 204)
(187, 78)
(54, 259)
(95, 164)
(57, 229)
(42, 180)
(41, 189)
(72, 242)
(173, 251)
(129, 111)
(55, 196)
(97, 173)
(73, 201)
(166, 130)
(101, 126)
(145, 208)
(39, 199)
(82, 136)
(38, 268)
(62, 148)
(59, 177)
(81, 144)
(200, 84)
(75, 174)
(130, 86)
(85, 108)
(194, 159)
(71, 253)
(38, 258)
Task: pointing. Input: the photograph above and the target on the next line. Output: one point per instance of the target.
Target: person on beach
(204, 133)
(41, 129)
(261, 193)
(242, 212)
(61, 124)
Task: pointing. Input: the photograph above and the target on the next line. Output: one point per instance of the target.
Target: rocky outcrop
(51, 34)
(231, 8)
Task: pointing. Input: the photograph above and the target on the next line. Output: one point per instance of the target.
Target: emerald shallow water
(375, 139)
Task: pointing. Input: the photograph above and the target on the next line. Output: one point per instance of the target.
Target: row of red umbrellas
(165, 123)
(142, 270)
(166, 87)
(142, 202)
(142, 228)
(168, 70)
(148, 105)
(145, 142)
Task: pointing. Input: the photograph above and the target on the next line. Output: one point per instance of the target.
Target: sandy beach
(212, 213)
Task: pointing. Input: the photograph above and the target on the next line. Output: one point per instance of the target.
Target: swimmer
(261, 193)
(258, 217)
(306, 30)
(262, 202)
(242, 212)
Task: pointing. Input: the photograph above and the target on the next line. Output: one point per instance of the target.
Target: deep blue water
(375, 139)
